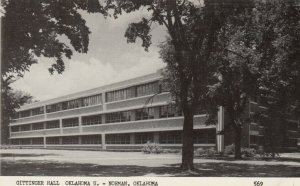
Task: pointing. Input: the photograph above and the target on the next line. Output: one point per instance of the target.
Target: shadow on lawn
(42, 168)
(23, 155)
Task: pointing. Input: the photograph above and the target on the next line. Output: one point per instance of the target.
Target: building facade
(119, 116)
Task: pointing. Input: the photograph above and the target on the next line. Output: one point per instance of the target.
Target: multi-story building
(123, 115)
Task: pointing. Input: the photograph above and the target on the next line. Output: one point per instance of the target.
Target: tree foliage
(259, 57)
(279, 81)
(33, 28)
(10, 100)
(192, 29)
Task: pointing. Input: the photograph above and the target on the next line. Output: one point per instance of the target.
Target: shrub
(199, 152)
(211, 152)
(171, 151)
(229, 150)
(149, 148)
(248, 152)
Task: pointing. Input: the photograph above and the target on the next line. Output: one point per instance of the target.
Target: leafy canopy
(32, 29)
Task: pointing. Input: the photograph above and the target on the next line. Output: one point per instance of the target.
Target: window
(25, 141)
(25, 113)
(52, 124)
(92, 120)
(117, 117)
(92, 100)
(37, 126)
(163, 87)
(52, 140)
(167, 111)
(15, 141)
(72, 104)
(38, 111)
(15, 116)
(170, 137)
(145, 113)
(292, 125)
(54, 107)
(117, 139)
(204, 136)
(291, 142)
(15, 129)
(71, 122)
(37, 141)
(147, 89)
(254, 139)
(25, 127)
(199, 111)
(142, 138)
(91, 139)
(120, 94)
(70, 140)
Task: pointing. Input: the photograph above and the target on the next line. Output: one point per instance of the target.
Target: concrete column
(80, 124)
(60, 126)
(220, 130)
(156, 137)
(103, 101)
(103, 118)
(60, 140)
(156, 112)
(132, 138)
(132, 115)
(45, 142)
(45, 112)
(79, 140)
(103, 141)
(9, 134)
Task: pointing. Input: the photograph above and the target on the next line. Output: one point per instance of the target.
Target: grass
(70, 163)
(51, 168)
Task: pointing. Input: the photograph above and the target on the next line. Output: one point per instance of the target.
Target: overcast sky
(109, 59)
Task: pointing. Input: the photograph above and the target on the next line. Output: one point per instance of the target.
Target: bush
(171, 151)
(151, 148)
(211, 152)
(199, 152)
(229, 150)
(248, 152)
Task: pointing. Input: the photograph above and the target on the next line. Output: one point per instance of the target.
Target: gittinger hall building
(124, 116)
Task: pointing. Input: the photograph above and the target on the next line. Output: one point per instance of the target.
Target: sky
(109, 59)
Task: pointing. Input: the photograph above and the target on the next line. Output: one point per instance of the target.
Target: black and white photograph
(150, 89)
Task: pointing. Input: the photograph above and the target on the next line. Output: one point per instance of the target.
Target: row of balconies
(129, 104)
(161, 124)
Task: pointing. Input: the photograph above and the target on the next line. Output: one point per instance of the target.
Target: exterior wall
(24, 138)
(253, 132)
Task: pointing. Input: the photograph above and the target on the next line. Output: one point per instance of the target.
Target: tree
(31, 29)
(10, 100)
(279, 81)
(192, 29)
(258, 56)
(236, 72)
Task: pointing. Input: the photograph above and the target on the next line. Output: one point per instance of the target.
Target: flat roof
(105, 88)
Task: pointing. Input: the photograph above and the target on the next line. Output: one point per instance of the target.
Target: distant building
(119, 116)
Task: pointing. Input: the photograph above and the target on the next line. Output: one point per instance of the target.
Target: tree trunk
(237, 139)
(188, 143)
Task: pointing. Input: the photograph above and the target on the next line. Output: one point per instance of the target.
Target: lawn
(25, 162)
